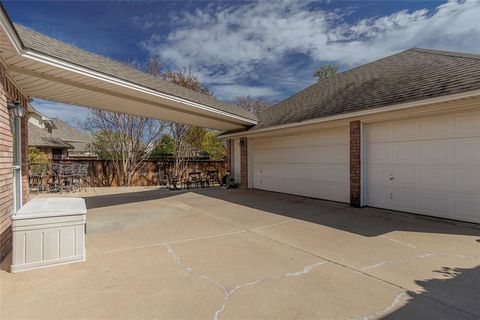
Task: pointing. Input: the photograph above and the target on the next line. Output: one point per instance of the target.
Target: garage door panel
(437, 178)
(436, 152)
(405, 130)
(437, 204)
(405, 200)
(467, 180)
(378, 197)
(379, 153)
(466, 152)
(434, 162)
(467, 208)
(440, 127)
(324, 154)
(405, 177)
(313, 164)
(467, 124)
(326, 173)
(379, 132)
(406, 152)
(304, 187)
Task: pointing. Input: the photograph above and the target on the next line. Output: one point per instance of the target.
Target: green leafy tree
(214, 146)
(324, 72)
(165, 147)
(35, 156)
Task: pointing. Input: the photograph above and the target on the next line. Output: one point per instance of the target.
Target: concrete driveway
(216, 254)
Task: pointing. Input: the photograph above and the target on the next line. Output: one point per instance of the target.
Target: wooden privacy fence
(101, 173)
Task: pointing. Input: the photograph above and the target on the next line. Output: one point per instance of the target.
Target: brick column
(228, 148)
(6, 172)
(244, 163)
(8, 93)
(355, 163)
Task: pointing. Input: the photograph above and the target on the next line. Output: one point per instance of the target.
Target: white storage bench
(47, 232)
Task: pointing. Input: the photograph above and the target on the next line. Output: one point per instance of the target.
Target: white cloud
(231, 91)
(228, 44)
(68, 113)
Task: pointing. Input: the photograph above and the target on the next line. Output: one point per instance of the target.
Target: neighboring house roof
(411, 75)
(71, 135)
(43, 44)
(38, 137)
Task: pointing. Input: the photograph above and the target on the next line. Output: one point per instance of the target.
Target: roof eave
(394, 107)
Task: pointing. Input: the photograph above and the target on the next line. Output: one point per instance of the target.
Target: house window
(57, 154)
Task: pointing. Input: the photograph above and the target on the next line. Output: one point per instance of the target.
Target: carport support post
(244, 163)
(228, 147)
(355, 163)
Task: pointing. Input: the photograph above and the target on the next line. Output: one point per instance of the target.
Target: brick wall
(229, 154)
(244, 163)
(6, 173)
(355, 163)
(8, 92)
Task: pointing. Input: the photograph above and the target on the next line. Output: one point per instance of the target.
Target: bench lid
(51, 207)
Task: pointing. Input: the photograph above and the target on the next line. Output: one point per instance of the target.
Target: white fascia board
(395, 107)
(29, 54)
(100, 76)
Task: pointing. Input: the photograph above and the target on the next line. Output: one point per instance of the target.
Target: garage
(428, 165)
(312, 164)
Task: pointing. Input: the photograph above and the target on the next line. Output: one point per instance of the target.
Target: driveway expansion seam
(369, 275)
(422, 256)
(158, 244)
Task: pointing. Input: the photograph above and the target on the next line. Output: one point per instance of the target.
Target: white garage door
(314, 164)
(428, 165)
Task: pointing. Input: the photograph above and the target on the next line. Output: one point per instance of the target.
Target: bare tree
(253, 105)
(125, 139)
(187, 140)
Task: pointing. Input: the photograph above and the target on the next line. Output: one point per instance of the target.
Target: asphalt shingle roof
(43, 44)
(38, 137)
(414, 74)
(71, 135)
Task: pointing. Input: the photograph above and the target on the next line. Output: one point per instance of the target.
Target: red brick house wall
(9, 92)
(244, 163)
(355, 163)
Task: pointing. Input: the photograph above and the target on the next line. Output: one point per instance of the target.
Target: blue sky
(267, 48)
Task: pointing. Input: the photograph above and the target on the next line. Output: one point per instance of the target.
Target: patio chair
(66, 177)
(53, 177)
(38, 176)
(211, 178)
(194, 178)
(80, 172)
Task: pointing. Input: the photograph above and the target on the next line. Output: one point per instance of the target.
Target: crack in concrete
(359, 271)
(396, 301)
(230, 293)
(179, 263)
(227, 294)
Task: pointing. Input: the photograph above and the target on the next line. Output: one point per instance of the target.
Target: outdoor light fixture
(17, 109)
